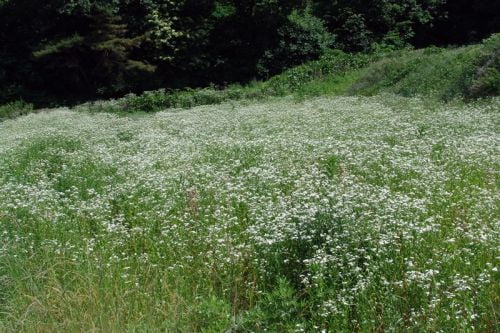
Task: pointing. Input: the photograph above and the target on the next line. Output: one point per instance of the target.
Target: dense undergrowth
(15, 109)
(469, 72)
(440, 73)
(332, 214)
(443, 74)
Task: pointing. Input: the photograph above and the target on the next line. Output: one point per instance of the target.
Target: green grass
(280, 206)
(466, 72)
(333, 214)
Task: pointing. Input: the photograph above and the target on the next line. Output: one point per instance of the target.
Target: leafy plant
(303, 38)
(15, 109)
(487, 78)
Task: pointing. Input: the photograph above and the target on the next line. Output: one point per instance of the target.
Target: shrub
(303, 38)
(279, 311)
(487, 79)
(445, 74)
(15, 109)
(334, 62)
(487, 84)
(157, 100)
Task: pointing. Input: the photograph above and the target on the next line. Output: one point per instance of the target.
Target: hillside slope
(467, 73)
(333, 214)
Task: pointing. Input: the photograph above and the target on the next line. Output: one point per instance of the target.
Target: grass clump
(15, 109)
(487, 79)
(445, 74)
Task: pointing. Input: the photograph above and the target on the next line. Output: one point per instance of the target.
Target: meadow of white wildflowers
(334, 214)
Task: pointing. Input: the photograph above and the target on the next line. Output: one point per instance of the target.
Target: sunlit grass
(338, 214)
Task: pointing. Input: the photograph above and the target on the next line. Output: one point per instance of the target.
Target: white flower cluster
(348, 197)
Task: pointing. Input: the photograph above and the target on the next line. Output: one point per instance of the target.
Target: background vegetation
(69, 51)
(439, 74)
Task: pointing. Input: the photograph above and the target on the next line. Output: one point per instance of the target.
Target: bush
(487, 84)
(467, 72)
(303, 38)
(152, 101)
(15, 109)
(333, 63)
(487, 79)
(312, 78)
(445, 74)
(279, 311)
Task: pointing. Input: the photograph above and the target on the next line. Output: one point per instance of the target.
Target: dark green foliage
(280, 310)
(487, 79)
(488, 82)
(468, 72)
(333, 166)
(334, 68)
(97, 63)
(69, 51)
(359, 23)
(442, 74)
(333, 63)
(15, 109)
(156, 100)
(460, 22)
(303, 38)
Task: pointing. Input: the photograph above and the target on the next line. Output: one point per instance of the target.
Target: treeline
(67, 51)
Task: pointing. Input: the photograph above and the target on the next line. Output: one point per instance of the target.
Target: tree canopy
(72, 50)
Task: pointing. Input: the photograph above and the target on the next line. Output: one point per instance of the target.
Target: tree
(469, 20)
(94, 59)
(73, 50)
(303, 37)
(359, 23)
